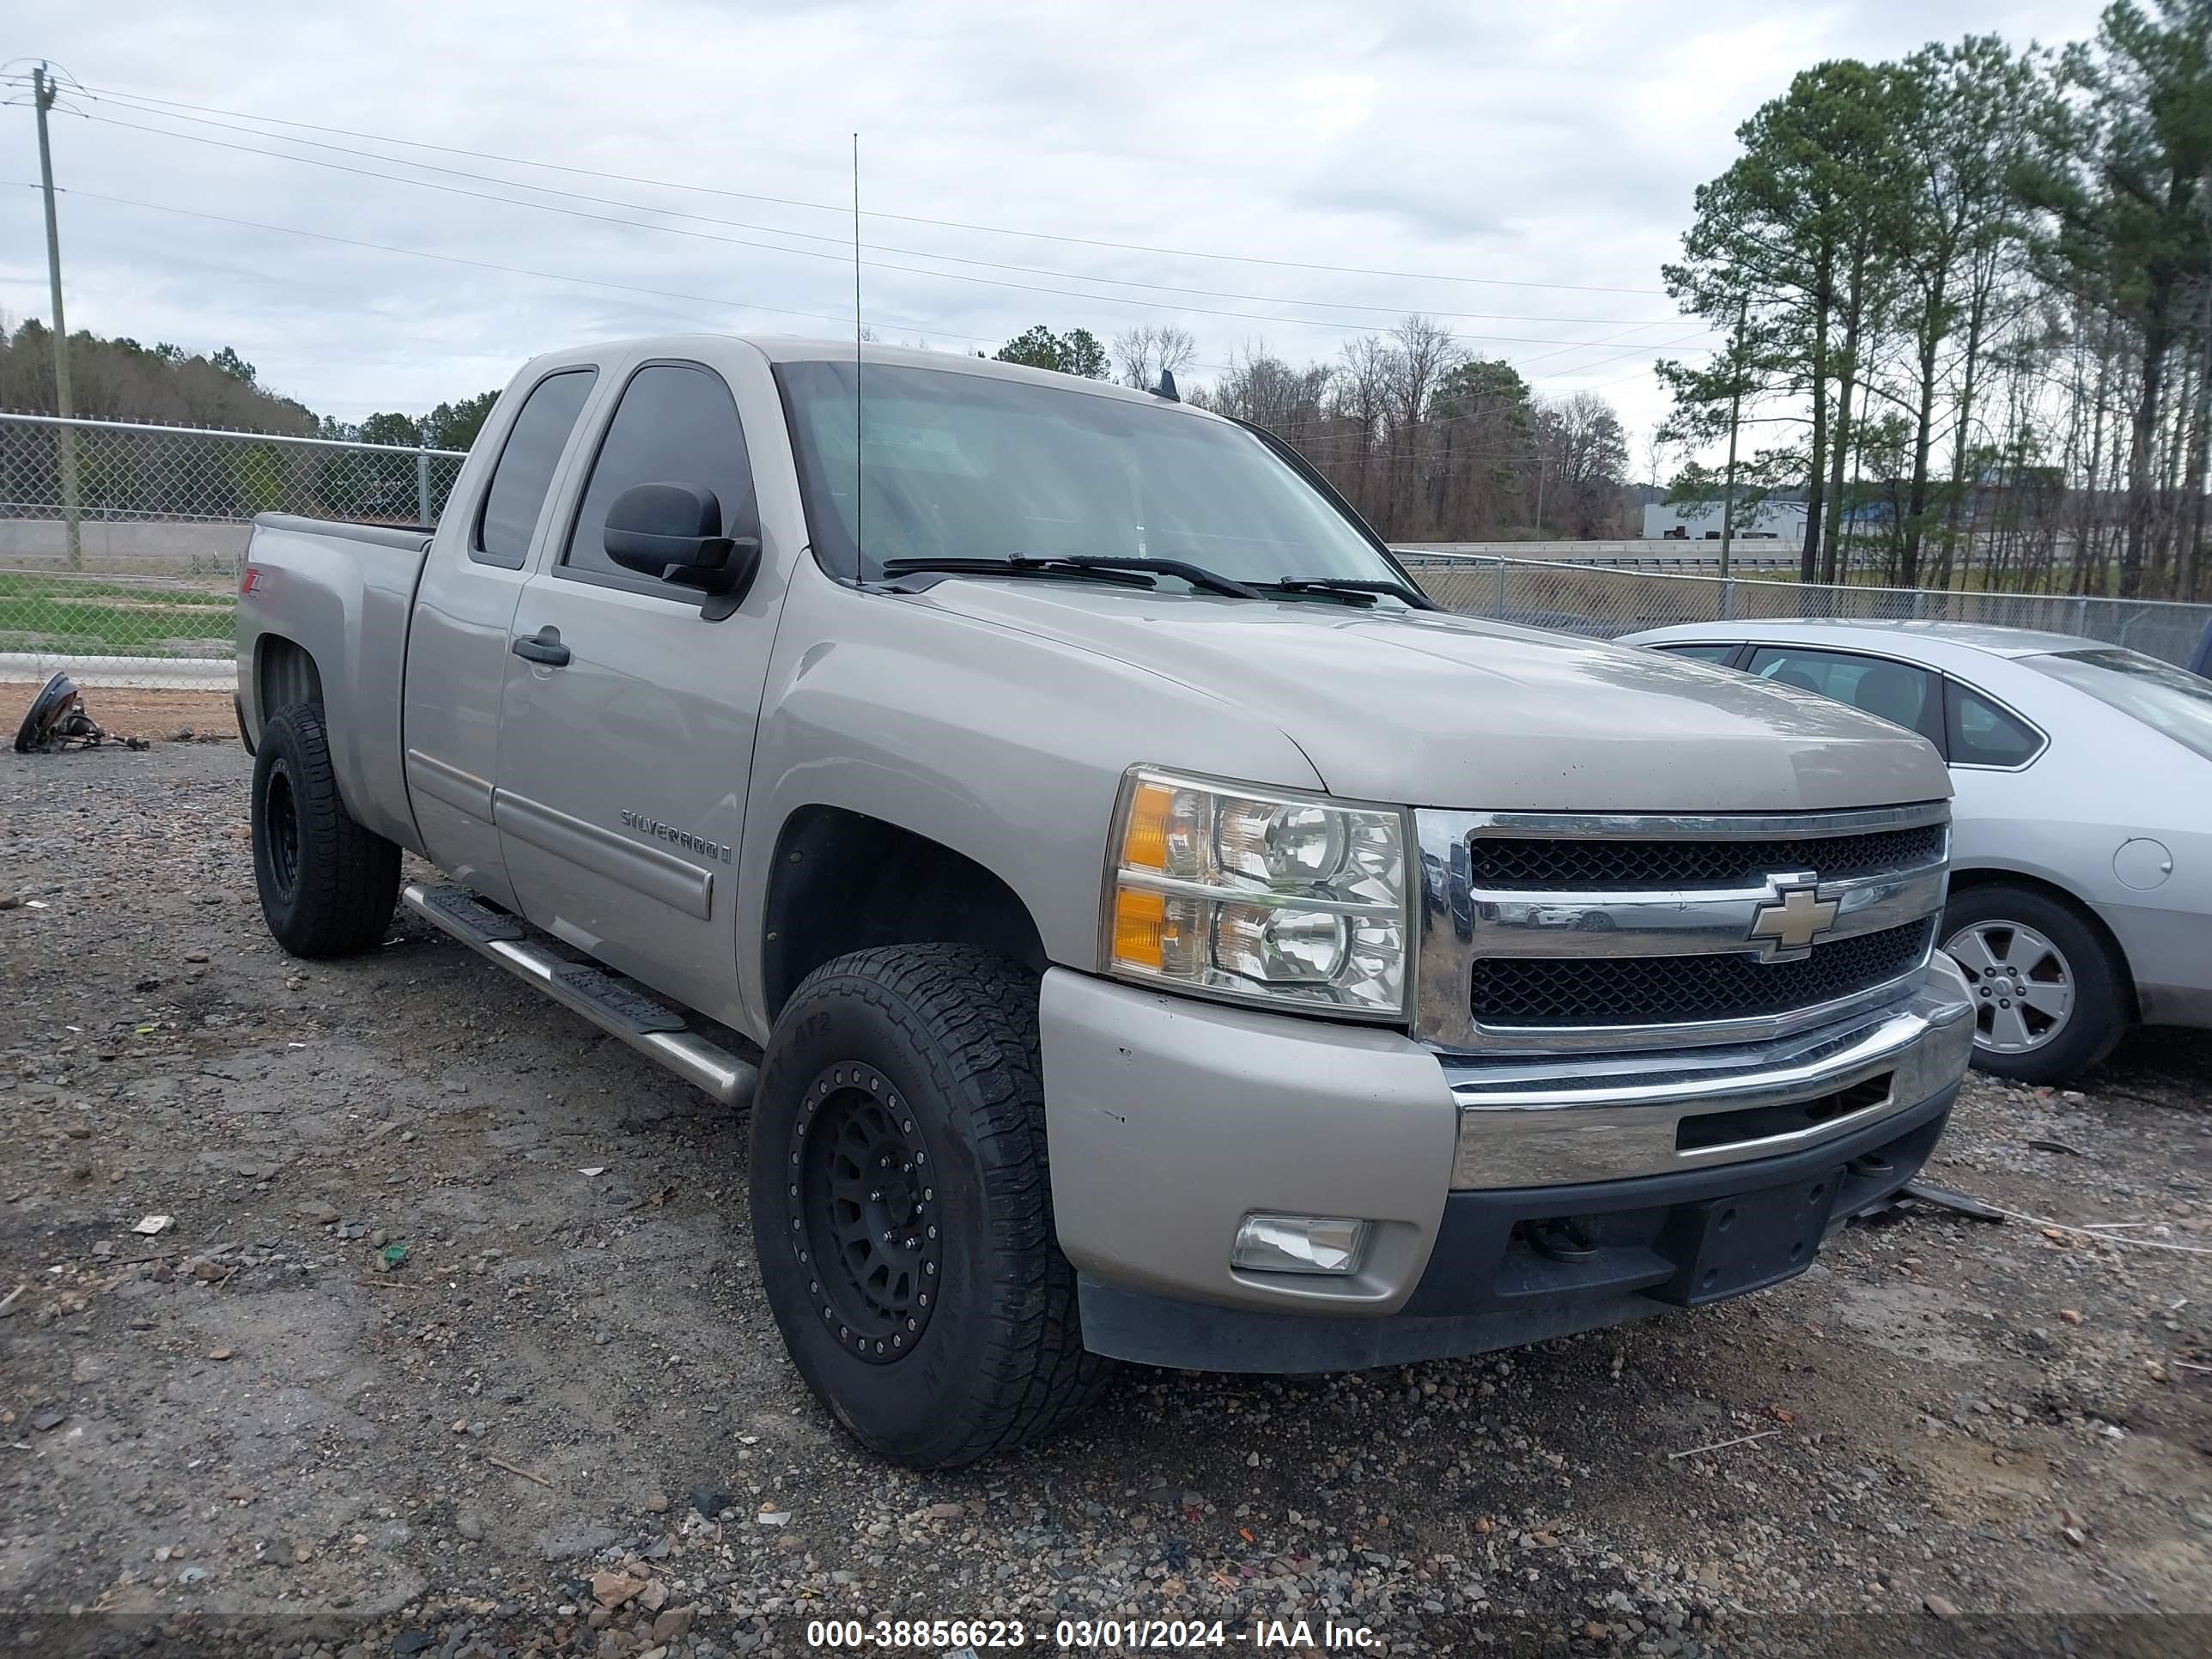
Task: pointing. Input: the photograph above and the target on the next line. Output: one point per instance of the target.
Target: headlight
(1259, 896)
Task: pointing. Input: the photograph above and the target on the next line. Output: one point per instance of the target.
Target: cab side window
(1979, 733)
(524, 470)
(1702, 650)
(1898, 692)
(676, 423)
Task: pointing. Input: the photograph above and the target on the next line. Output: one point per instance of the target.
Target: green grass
(90, 616)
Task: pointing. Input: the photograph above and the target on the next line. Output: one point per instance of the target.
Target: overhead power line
(486, 264)
(903, 218)
(811, 254)
(843, 243)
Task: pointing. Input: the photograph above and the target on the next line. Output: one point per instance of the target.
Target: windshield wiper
(1017, 566)
(1100, 566)
(1352, 590)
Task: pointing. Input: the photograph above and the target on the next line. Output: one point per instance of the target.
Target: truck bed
(337, 594)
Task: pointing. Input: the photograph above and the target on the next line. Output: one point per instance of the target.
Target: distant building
(1771, 520)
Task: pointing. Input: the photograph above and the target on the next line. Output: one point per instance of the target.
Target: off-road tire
(327, 885)
(2099, 1017)
(948, 1033)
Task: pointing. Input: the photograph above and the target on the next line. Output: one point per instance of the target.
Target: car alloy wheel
(866, 1216)
(2022, 983)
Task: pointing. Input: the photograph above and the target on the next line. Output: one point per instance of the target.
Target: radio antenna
(860, 558)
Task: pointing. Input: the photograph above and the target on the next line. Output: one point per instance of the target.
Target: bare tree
(1143, 354)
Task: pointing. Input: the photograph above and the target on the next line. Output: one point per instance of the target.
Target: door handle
(544, 645)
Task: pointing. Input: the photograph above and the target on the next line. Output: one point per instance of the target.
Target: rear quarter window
(1977, 733)
(523, 471)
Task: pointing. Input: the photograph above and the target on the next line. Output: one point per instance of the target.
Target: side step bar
(654, 1031)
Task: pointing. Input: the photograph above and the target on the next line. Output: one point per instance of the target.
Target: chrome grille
(1560, 933)
(1543, 991)
(1555, 861)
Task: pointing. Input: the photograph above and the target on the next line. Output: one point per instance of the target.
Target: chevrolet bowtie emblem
(1789, 926)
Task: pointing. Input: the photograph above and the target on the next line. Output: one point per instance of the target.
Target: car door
(626, 728)
(457, 634)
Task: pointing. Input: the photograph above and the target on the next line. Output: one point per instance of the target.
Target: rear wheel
(902, 1205)
(2048, 995)
(327, 885)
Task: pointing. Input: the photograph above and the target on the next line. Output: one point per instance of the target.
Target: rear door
(457, 636)
(622, 769)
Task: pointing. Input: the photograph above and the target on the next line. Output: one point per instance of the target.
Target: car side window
(676, 423)
(1979, 733)
(524, 470)
(1897, 691)
(1702, 650)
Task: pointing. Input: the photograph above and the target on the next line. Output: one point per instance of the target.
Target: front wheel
(902, 1205)
(2048, 995)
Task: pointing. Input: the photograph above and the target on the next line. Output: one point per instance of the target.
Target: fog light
(1299, 1244)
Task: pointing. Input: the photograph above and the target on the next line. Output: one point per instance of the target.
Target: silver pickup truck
(1141, 925)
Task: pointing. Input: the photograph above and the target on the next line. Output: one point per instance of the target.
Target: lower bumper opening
(1513, 1267)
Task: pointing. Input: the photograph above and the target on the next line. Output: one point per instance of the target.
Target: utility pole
(1735, 411)
(42, 88)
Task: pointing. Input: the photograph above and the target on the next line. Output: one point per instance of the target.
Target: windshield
(971, 466)
(2171, 699)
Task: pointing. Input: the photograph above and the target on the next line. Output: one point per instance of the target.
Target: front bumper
(1170, 1120)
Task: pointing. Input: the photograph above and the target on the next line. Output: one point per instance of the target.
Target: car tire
(2070, 1002)
(902, 1206)
(327, 885)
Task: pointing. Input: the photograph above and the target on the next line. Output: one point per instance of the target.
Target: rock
(470, 1525)
(196, 954)
(946, 1511)
(711, 1499)
(672, 1626)
(46, 1422)
(1938, 1606)
(407, 1643)
(207, 1272)
(1251, 1460)
(302, 1552)
(2071, 1315)
(658, 1503)
(316, 1211)
(611, 1590)
(653, 1596)
(774, 1517)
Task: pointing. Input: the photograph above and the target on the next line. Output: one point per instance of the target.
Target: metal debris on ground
(56, 720)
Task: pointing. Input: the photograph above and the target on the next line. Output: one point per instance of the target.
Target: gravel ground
(454, 1345)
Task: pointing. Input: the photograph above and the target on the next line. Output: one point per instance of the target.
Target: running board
(656, 1031)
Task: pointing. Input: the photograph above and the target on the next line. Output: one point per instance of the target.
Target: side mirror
(674, 532)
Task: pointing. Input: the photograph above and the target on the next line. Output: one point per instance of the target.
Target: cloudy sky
(1518, 172)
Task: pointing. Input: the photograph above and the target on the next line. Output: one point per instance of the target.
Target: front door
(622, 769)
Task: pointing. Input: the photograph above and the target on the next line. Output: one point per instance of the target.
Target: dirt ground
(454, 1344)
(155, 715)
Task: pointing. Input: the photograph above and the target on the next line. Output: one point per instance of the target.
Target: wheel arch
(1981, 876)
(843, 881)
(284, 672)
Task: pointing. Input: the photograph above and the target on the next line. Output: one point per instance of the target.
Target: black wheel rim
(280, 819)
(865, 1218)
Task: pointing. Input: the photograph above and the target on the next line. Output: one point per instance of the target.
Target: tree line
(1967, 299)
(165, 384)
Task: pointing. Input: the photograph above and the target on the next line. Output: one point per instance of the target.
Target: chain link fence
(1604, 603)
(121, 544)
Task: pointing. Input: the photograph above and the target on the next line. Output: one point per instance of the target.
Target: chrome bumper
(1529, 1123)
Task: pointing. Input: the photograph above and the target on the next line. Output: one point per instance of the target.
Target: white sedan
(2082, 840)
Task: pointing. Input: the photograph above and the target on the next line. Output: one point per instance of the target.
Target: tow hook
(1563, 1239)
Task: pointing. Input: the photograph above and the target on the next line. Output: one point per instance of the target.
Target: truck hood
(1426, 709)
